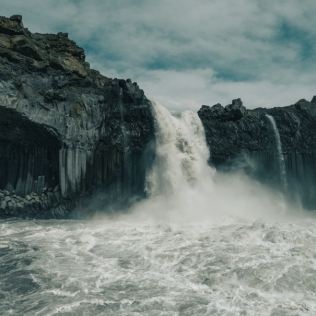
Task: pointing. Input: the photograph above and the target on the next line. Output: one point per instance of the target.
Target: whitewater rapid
(203, 243)
(234, 267)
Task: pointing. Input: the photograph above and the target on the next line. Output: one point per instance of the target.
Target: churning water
(202, 244)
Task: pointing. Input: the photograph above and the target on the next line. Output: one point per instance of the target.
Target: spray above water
(183, 187)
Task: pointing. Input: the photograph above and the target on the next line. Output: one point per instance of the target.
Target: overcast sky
(186, 53)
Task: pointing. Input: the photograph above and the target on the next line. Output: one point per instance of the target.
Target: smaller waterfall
(279, 151)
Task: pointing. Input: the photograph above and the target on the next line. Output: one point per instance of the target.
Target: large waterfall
(203, 243)
(181, 156)
(279, 151)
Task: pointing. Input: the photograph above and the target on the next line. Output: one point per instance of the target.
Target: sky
(187, 53)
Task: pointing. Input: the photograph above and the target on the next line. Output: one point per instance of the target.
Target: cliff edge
(239, 138)
(66, 131)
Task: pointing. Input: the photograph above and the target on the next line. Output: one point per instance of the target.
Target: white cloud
(191, 89)
(179, 90)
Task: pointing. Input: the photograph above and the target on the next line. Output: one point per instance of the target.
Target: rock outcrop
(66, 131)
(244, 139)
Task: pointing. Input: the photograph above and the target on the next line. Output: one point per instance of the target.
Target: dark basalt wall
(67, 133)
(244, 139)
(28, 162)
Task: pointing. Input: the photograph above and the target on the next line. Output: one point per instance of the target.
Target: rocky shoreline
(47, 205)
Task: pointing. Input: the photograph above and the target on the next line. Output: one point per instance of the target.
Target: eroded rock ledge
(66, 131)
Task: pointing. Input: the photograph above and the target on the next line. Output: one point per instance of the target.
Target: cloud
(179, 90)
(190, 53)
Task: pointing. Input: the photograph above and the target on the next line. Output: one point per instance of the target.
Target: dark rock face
(66, 131)
(241, 138)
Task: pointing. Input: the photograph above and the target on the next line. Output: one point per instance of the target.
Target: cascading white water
(181, 155)
(279, 151)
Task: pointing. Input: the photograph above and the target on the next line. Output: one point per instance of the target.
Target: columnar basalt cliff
(66, 131)
(241, 138)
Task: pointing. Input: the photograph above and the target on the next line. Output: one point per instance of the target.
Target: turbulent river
(203, 243)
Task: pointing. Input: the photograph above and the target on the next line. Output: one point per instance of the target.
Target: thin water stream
(202, 244)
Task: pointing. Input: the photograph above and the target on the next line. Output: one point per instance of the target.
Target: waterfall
(279, 151)
(181, 155)
(181, 186)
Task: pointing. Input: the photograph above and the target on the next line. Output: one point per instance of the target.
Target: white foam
(120, 268)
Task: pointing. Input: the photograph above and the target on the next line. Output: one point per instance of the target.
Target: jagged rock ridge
(65, 130)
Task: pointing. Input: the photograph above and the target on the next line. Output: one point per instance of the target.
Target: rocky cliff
(244, 139)
(73, 139)
(66, 131)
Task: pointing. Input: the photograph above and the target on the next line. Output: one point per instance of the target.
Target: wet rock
(10, 206)
(3, 205)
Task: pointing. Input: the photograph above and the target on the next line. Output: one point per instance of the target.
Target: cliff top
(42, 50)
(45, 79)
(236, 110)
